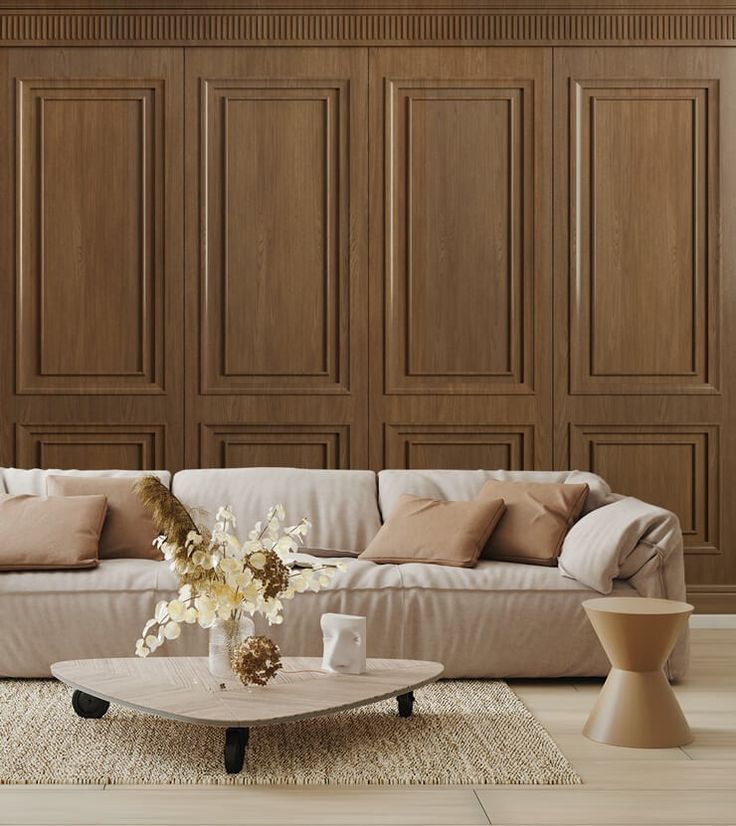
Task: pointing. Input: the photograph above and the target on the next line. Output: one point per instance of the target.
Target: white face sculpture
(343, 637)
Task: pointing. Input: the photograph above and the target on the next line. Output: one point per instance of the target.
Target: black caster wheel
(236, 739)
(406, 704)
(89, 707)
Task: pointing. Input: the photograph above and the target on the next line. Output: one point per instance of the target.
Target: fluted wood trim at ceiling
(169, 27)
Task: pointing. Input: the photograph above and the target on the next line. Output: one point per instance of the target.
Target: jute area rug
(462, 731)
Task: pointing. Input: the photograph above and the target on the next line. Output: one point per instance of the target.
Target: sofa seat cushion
(499, 619)
(49, 616)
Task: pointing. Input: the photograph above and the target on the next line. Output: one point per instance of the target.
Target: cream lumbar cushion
(536, 520)
(129, 531)
(46, 532)
(432, 530)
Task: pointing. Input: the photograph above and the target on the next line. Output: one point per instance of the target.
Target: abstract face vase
(343, 638)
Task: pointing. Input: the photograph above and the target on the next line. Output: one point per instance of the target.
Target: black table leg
(85, 705)
(406, 704)
(236, 740)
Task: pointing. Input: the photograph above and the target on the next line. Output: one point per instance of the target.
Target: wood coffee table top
(182, 688)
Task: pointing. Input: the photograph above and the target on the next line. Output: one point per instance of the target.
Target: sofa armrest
(630, 539)
(627, 539)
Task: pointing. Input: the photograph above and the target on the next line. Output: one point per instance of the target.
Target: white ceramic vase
(225, 635)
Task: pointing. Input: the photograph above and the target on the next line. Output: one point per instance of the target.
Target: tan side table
(637, 706)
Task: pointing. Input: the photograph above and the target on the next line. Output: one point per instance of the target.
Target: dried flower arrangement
(256, 660)
(221, 578)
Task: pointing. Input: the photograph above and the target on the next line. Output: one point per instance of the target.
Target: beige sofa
(499, 619)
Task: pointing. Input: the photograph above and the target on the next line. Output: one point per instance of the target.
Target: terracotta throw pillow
(536, 520)
(46, 532)
(128, 531)
(432, 530)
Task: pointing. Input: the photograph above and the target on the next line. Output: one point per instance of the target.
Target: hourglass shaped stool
(636, 706)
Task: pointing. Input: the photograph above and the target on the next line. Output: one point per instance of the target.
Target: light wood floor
(692, 785)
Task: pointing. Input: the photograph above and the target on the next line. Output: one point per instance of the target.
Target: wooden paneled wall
(478, 238)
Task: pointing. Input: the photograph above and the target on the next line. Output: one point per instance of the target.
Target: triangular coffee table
(182, 688)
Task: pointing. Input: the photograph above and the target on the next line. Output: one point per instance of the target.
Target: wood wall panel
(458, 447)
(645, 302)
(460, 269)
(90, 313)
(460, 252)
(368, 22)
(92, 290)
(277, 257)
(275, 154)
(90, 446)
(674, 467)
(316, 446)
(643, 316)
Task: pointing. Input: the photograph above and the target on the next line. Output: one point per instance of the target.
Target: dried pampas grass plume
(170, 517)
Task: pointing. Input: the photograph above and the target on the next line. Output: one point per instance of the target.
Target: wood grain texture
(632, 786)
(243, 445)
(460, 249)
(368, 23)
(675, 467)
(182, 688)
(276, 255)
(646, 278)
(92, 165)
(645, 387)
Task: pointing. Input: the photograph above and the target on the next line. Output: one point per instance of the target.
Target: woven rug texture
(462, 732)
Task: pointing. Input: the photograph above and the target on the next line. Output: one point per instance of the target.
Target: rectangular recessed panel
(459, 220)
(92, 157)
(459, 196)
(277, 234)
(672, 467)
(275, 454)
(461, 456)
(287, 445)
(458, 447)
(643, 236)
(90, 447)
(277, 244)
(90, 229)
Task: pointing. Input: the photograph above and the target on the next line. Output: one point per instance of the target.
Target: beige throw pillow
(129, 530)
(536, 520)
(432, 530)
(46, 532)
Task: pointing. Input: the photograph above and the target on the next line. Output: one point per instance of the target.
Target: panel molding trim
(412, 446)
(291, 445)
(412, 365)
(62, 346)
(661, 339)
(119, 25)
(615, 452)
(324, 352)
(138, 447)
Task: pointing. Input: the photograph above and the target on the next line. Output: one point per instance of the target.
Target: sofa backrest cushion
(50, 532)
(128, 532)
(33, 481)
(463, 485)
(341, 504)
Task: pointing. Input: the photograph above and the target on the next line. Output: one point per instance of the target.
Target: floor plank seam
(483, 808)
